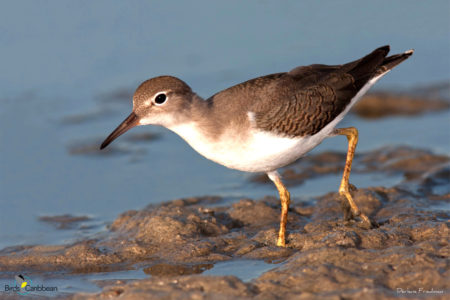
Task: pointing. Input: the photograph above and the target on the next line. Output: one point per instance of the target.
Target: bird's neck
(199, 121)
(200, 131)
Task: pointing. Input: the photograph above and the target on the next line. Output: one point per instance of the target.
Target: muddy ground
(325, 257)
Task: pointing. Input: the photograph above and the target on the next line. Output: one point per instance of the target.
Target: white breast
(255, 152)
(258, 151)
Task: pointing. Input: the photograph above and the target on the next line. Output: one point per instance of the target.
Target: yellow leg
(285, 199)
(352, 135)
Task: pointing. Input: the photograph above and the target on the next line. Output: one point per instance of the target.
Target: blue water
(60, 58)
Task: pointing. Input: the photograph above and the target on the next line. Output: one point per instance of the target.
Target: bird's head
(163, 100)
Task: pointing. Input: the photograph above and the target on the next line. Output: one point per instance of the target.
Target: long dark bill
(131, 121)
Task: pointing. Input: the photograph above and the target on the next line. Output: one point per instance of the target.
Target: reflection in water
(246, 270)
(177, 270)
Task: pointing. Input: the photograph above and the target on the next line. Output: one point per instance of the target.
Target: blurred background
(68, 70)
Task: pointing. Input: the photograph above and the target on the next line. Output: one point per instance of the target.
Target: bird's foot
(281, 242)
(352, 212)
(365, 220)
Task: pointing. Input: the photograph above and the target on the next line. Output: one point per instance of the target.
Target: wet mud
(402, 160)
(175, 242)
(91, 146)
(380, 105)
(417, 101)
(65, 221)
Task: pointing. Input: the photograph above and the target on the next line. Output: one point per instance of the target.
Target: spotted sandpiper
(268, 122)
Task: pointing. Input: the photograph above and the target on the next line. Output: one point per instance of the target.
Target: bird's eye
(160, 98)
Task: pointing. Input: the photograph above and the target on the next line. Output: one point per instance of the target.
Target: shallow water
(74, 283)
(57, 69)
(244, 269)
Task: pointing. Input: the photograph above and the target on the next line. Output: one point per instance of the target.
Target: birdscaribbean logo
(23, 286)
(22, 283)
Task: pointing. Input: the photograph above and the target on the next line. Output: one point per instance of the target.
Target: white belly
(259, 151)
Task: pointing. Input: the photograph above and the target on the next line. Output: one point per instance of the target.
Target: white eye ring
(160, 98)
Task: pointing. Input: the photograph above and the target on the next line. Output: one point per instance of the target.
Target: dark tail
(374, 64)
(391, 62)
